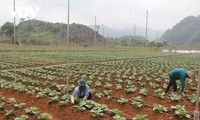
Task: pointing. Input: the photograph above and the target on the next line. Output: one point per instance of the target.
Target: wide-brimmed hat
(82, 82)
(191, 75)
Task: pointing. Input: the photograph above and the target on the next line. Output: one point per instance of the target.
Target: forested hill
(185, 33)
(40, 32)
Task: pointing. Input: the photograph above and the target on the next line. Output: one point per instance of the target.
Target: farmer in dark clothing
(82, 91)
(182, 74)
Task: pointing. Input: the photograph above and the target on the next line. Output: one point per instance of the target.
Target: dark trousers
(172, 82)
(88, 98)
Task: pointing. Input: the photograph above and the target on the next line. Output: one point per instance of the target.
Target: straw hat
(191, 75)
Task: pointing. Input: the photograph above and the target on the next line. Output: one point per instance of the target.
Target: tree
(124, 42)
(8, 28)
(164, 43)
(152, 44)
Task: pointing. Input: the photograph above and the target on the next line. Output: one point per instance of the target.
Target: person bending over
(81, 91)
(182, 74)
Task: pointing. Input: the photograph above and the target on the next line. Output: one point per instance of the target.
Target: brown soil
(67, 112)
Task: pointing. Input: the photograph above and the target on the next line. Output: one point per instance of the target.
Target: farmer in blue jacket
(182, 74)
(81, 91)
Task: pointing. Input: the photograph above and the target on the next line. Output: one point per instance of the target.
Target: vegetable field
(125, 85)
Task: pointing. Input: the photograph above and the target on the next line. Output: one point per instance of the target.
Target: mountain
(185, 33)
(40, 32)
(140, 31)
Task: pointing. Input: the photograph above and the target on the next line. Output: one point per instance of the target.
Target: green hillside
(185, 33)
(41, 33)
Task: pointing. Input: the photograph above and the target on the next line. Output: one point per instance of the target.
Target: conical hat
(191, 75)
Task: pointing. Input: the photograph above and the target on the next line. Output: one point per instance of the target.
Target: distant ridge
(185, 33)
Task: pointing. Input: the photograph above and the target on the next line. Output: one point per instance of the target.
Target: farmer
(81, 91)
(182, 74)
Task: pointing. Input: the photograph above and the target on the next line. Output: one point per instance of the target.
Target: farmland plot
(124, 86)
(21, 59)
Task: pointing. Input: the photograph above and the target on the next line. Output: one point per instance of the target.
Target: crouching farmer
(81, 91)
(182, 74)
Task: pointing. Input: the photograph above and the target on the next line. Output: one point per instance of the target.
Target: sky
(119, 14)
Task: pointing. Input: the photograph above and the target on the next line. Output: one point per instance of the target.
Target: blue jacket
(77, 93)
(179, 73)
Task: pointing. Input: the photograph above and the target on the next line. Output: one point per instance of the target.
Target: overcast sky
(163, 14)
